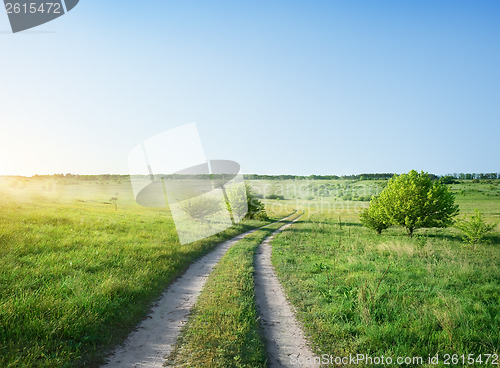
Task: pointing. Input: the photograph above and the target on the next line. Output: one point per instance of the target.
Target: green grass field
(391, 295)
(76, 275)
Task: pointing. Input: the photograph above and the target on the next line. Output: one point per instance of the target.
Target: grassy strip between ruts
(223, 329)
(76, 278)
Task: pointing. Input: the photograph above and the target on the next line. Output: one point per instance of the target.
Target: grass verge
(75, 278)
(359, 293)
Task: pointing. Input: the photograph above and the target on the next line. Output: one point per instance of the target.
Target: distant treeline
(479, 176)
(320, 177)
(84, 177)
(376, 176)
(383, 176)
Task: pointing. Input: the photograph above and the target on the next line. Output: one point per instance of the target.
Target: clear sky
(282, 87)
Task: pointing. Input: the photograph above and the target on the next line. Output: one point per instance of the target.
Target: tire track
(285, 340)
(155, 337)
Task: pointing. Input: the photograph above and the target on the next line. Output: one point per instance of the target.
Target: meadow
(360, 293)
(76, 275)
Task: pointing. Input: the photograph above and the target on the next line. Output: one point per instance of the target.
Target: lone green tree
(414, 201)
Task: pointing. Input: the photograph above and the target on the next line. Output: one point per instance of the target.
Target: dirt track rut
(155, 337)
(285, 340)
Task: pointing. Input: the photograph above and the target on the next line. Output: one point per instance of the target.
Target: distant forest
(377, 176)
(448, 178)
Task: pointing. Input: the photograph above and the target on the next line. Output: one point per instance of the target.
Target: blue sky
(294, 87)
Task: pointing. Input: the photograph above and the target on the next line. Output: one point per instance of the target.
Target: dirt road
(155, 337)
(285, 340)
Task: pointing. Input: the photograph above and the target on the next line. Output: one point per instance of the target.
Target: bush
(275, 196)
(256, 208)
(374, 218)
(200, 208)
(448, 180)
(474, 228)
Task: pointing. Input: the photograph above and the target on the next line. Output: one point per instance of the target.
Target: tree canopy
(412, 201)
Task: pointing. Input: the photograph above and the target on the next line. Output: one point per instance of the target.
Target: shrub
(374, 218)
(448, 180)
(275, 196)
(201, 207)
(256, 208)
(473, 228)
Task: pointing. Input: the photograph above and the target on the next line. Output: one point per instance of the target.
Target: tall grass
(359, 293)
(76, 276)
